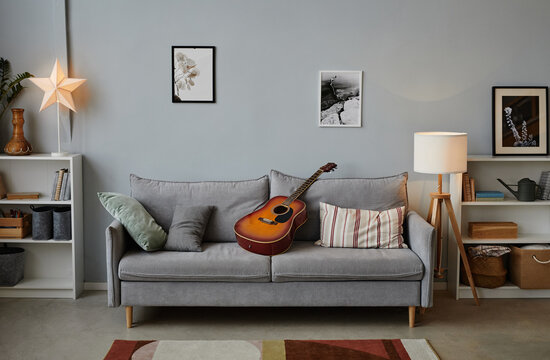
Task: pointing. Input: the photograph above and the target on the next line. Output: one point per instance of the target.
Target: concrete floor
(85, 328)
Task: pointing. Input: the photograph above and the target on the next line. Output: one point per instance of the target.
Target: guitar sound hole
(280, 209)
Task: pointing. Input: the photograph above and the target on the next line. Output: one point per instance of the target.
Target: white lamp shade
(440, 152)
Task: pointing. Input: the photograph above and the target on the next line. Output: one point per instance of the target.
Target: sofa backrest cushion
(231, 200)
(368, 194)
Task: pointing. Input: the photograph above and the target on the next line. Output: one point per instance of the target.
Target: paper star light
(57, 88)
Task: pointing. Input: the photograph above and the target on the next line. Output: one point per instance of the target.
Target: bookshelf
(53, 268)
(531, 217)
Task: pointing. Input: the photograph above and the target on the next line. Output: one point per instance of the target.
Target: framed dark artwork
(193, 74)
(520, 120)
(340, 98)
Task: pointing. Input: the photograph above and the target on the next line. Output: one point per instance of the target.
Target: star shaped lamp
(57, 89)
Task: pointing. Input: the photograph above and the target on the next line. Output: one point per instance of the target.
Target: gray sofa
(223, 274)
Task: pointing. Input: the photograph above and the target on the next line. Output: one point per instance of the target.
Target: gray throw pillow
(138, 222)
(187, 229)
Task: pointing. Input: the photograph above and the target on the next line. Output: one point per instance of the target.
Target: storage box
(530, 269)
(492, 230)
(15, 228)
(487, 271)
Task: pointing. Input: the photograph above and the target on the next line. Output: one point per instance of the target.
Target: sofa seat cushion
(217, 262)
(305, 261)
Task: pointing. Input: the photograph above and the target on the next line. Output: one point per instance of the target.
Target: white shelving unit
(53, 268)
(533, 218)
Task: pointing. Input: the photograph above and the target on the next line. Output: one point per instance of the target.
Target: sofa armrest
(116, 243)
(421, 239)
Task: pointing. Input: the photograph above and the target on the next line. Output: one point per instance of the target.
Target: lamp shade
(440, 152)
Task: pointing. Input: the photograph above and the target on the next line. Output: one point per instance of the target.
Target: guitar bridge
(267, 221)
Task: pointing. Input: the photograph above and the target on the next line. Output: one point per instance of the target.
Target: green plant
(10, 87)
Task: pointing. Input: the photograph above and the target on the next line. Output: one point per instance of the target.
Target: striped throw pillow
(361, 229)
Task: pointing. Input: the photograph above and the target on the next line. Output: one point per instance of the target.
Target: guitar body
(270, 230)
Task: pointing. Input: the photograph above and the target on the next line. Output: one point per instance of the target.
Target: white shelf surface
(522, 239)
(38, 157)
(488, 158)
(42, 284)
(43, 200)
(506, 202)
(509, 290)
(29, 240)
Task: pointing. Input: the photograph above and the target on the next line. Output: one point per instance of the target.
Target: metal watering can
(527, 189)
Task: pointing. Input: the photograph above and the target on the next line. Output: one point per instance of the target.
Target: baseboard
(440, 285)
(95, 286)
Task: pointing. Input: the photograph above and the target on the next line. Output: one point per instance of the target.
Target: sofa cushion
(217, 262)
(369, 194)
(307, 262)
(187, 229)
(231, 200)
(138, 222)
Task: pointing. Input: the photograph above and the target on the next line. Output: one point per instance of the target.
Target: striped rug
(396, 349)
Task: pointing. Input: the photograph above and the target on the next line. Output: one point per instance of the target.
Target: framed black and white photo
(340, 98)
(520, 120)
(193, 74)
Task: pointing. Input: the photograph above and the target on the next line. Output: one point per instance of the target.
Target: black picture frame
(188, 86)
(520, 120)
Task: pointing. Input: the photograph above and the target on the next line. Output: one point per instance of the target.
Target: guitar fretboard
(303, 188)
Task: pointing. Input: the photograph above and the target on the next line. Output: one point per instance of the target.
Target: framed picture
(520, 120)
(340, 98)
(193, 74)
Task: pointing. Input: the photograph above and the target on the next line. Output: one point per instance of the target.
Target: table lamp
(443, 153)
(57, 89)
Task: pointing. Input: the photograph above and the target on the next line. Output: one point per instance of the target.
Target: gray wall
(428, 65)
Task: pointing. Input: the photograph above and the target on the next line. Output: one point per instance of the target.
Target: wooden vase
(18, 145)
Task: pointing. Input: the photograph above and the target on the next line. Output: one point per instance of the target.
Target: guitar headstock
(328, 167)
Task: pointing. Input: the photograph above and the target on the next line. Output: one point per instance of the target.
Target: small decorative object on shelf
(544, 184)
(57, 89)
(520, 120)
(527, 189)
(23, 195)
(18, 145)
(493, 230)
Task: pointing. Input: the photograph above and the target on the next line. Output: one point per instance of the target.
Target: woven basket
(488, 272)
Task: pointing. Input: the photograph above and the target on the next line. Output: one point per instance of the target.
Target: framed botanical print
(193, 74)
(520, 120)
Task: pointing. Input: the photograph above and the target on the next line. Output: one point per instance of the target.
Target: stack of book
(468, 188)
(61, 189)
(544, 184)
(489, 196)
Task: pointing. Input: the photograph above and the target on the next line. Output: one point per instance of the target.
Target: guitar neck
(303, 188)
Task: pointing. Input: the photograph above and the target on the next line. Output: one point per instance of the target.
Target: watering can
(527, 189)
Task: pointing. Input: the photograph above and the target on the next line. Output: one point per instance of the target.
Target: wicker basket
(488, 272)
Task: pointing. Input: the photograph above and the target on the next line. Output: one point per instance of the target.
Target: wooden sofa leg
(412, 311)
(129, 312)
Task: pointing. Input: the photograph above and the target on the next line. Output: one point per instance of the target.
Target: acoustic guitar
(270, 230)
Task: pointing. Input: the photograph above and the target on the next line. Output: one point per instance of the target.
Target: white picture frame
(340, 98)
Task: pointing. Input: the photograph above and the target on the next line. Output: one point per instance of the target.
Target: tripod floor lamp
(443, 153)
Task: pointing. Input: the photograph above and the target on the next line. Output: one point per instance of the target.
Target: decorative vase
(18, 145)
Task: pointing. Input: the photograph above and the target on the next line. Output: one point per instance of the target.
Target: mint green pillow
(138, 222)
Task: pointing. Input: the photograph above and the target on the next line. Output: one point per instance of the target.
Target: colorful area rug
(397, 349)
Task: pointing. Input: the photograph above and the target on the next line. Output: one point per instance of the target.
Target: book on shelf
(472, 189)
(489, 194)
(544, 184)
(466, 187)
(61, 185)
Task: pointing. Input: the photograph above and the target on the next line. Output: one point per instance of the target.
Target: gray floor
(85, 328)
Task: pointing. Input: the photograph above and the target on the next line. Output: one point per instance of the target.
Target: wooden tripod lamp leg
(460, 245)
